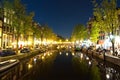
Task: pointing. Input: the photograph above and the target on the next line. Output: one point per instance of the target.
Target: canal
(62, 65)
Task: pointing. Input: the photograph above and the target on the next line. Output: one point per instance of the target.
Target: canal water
(62, 65)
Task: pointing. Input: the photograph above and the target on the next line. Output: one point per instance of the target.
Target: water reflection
(66, 54)
(60, 53)
(105, 70)
(62, 65)
(84, 66)
(112, 72)
(73, 53)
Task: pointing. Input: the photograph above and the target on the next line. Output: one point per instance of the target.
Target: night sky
(60, 15)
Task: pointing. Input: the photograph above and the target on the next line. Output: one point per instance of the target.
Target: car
(2, 54)
(25, 50)
(7, 52)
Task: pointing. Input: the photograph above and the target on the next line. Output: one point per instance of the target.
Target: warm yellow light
(66, 39)
(87, 58)
(77, 41)
(66, 54)
(73, 54)
(81, 56)
(29, 43)
(29, 66)
(43, 57)
(12, 60)
(60, 53)
(48, 54)
(60, 40)
(58, 47)
(44, 54)
(21, 43)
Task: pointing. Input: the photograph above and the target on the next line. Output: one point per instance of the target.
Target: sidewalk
(9, 61)
(18, 56)
(113, 59)
(112, 56)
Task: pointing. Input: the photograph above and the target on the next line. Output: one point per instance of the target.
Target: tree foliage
(106, 17)
(22, 22)
(94, 33)
(79, 32)
(28, 25)
(47, 32)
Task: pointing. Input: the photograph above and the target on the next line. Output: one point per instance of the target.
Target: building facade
(1, 24)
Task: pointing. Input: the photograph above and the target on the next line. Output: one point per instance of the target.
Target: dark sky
(60, 15)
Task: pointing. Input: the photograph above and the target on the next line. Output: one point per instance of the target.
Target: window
(5, 20)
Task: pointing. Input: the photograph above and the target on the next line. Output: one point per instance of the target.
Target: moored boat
(4, 65)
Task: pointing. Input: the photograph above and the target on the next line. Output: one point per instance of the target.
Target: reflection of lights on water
(73, 54)
(89, 62)
(60, 53)
(43, 57)
(35, 59)
(44, 54)
(70, 47)
(58, 47)
(29, 66)
(107, 76)
(87, 58)
(115, 71)
(81, 56)
(48, 54)
(66, 54)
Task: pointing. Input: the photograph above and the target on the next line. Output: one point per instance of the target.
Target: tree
(37, 31)
(27, 29)
(93, 30)
(43, 32)
(106, 17)
(18, 20)
(79, 32)
(94, 33)
(47, 32)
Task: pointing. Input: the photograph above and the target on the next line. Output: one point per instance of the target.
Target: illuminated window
(8, 21)
(5, 20)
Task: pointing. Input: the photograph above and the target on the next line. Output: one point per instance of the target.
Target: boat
(4, 65)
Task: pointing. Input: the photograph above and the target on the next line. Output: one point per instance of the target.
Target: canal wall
(20, 56)
(113, 59)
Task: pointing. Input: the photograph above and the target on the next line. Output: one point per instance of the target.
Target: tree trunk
(17, 45)
(113, 48)
(17, 48)
(33, 41)
(112, 41)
